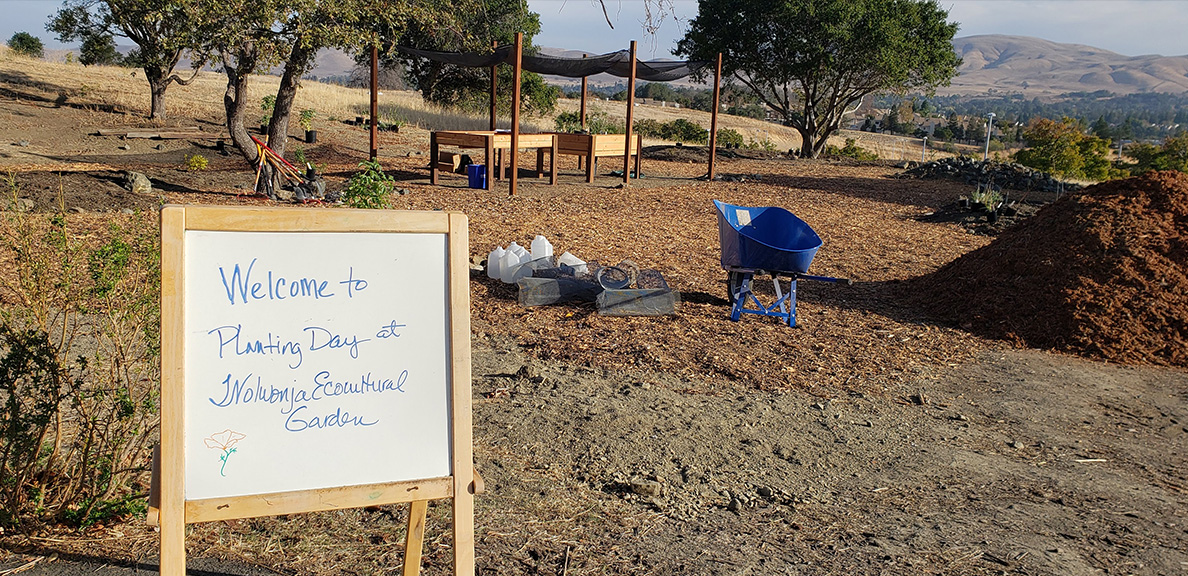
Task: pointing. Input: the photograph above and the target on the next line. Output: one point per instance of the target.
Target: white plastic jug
(541, 248)
(578, 265)
(493, 261)
(512, 258)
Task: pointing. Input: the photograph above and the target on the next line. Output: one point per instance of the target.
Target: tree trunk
(235, 99)
(299, 62)
(158, 81)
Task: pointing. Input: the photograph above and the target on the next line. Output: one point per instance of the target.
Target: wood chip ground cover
(871, 440)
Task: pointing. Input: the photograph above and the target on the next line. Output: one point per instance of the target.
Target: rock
(22, 143)
(137, 183)
(17, 205)
(78, 210)
(764, 492)
(127, 211)
(735, 505)
(645, 487)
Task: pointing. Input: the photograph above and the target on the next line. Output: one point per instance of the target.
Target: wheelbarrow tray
(765, 238)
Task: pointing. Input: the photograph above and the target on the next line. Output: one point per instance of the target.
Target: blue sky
(1129, 27)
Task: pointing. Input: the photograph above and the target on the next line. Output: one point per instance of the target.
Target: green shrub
(305, 119)
(597, 122)
(728, 138)
(649, 127)
(371, 188)
(681, 130)
(267, 104)
(196, 163)
(26, 44)
(79, 368)
(851, 150)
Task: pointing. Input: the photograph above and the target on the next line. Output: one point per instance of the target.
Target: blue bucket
(477, 173)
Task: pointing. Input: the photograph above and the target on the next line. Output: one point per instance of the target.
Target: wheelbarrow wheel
(734, 282)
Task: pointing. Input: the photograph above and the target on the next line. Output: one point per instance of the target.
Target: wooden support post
(494, 112)
(630, 110)
(515, 134)
(582, 113)
(375, 103)
(433, 152)
(489, 155)
(713, 139)
(414, 537)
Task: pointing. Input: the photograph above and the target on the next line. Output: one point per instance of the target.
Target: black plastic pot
(311, 136)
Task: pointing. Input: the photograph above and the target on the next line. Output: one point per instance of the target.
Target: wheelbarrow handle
(845, 281)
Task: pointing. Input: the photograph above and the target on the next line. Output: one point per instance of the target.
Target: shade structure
(621, 63)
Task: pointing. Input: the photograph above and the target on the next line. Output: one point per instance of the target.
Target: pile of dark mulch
(1102, 273)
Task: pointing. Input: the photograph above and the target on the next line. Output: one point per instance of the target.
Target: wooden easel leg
(414, 540)
(463, 532)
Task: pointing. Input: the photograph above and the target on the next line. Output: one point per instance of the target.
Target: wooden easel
(169, 506)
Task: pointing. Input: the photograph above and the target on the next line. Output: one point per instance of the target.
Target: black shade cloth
(614, 63)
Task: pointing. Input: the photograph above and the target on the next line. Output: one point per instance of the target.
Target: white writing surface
(314, 360)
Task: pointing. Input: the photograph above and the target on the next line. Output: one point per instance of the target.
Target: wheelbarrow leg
(740, 298)
(792, 303)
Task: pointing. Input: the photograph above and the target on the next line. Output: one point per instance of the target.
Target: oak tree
(157, 27)
(810, 60)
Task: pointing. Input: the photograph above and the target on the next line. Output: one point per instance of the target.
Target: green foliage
(79, 367)
(485, 22)
(649, 127)
(99, 49)
(26, 44)
(1062, 149)
(305, 119)
(729, 138)
(986, 197)
(196, 163)
(1171, 155)
(371, 188)
(267, 104)
(851, 150)
(841, 50)
(597, 122)
(159, 30)
(679, 130)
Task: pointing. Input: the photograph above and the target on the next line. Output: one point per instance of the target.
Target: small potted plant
(305, 119)
(267, 105)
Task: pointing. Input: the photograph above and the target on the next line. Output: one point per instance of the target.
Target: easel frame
(172, 511)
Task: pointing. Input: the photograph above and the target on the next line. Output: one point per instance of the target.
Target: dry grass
(125, 89)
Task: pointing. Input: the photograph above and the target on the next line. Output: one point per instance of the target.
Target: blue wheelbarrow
(765, 241)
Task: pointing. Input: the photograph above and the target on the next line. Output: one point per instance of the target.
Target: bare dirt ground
(871, 440)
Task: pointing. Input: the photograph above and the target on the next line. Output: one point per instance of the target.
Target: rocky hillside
(1037, 67)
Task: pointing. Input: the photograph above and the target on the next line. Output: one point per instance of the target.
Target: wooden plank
(249, 219)
(173, 467)
(463, 447)
(414, 537)
(315, 500)
(463, 139)
(193, 135)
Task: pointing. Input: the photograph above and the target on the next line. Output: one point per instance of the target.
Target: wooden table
(489, 142)
(594, 146)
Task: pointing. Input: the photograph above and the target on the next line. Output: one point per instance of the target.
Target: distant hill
(997, 64)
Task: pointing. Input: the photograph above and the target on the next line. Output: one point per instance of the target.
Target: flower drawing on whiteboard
(225, 441)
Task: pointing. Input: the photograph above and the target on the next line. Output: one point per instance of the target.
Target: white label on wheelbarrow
(744, 217)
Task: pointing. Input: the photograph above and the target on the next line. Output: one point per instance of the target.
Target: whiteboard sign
(314, 360)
